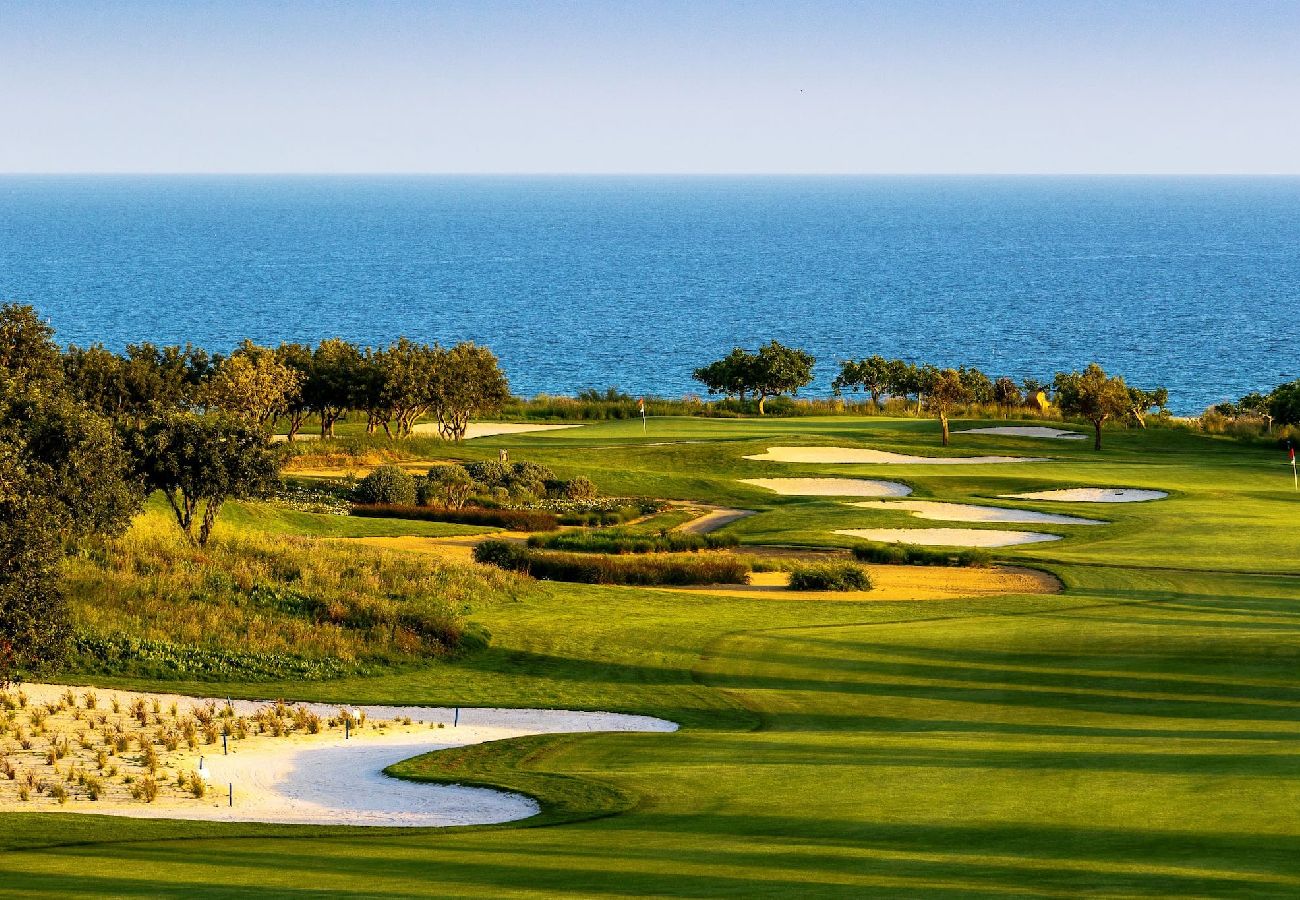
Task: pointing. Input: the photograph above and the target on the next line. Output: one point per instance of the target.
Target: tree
(253, 385)
(199, 462)
(166, 379)
(1284, 403)
(731, 376)
(778, 370)
(332, 387)
(1256, 404)
(450, 485)
(98, 379)
(1006, 395)
(904, 381)
(871, 374)
(63, 477)
(407, 376)
(1141, 402)
(297, 358)
(468, 383)
(945, 391)
(1092, 396)
(977, 384)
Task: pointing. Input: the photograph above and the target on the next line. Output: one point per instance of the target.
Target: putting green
(1137, 734)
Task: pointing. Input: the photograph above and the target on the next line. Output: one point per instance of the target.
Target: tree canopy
(774, 370)
(1092, 395)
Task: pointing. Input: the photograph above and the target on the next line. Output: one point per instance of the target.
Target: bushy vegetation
(386, 486)
(829, 576)
(621, 541)
(628, 570)
(254, 606)
(514, 519)
(912, 555)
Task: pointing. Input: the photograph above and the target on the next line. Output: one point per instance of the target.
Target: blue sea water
(578, 282)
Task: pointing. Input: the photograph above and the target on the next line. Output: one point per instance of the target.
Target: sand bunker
(1091, 495)
(949, 537)
(893, 583)
(714, 519)
(489, 429)
(300, 778)
(1034, 431)
(848, 455)
(831, 487)
(969, 512)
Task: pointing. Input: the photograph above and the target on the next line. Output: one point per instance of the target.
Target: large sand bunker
(969, 512)
(894, 583)
(848, 455)
(831, 487)
(302, 778)
(1091, 495)
(1034, 431)
(489, 429)
(949, 537)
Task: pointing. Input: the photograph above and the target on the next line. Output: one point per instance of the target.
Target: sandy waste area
(848, 455)
(93, 750)
(949, 537)
(1033, 431)
(1091, 495)
(830, 487)
(891, 583)
(970, 512)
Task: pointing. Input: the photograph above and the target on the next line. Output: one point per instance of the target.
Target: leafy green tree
(337, 374)
(1006, 395)
(778, 370)
(253, 384)
(165, 379)
(977, 384)
(1256, 404)
(945, 391)
(905, 381)
(469, 383)
(1284, 403)
(1142, 402)
(731, 376)
(97, 377)
(407, 380)
(1093, 396)
(200, 462)
(873, 374)
(299, 359)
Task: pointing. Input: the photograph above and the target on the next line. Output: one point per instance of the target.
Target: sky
(926, 86)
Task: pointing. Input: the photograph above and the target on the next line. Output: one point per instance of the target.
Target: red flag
(1291, 450)
(640, 405)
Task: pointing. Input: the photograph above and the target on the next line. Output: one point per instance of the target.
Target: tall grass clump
(912, 555)
(831, 576)
(622, 541)
(628, 570)
(262, 607)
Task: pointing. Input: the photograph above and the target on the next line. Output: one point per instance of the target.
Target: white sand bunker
(1091, 495)
(323, 778)
(831, 487)
(490, 429)
(949, 537)
(969, 512)
(848, 455)
(1034, 431)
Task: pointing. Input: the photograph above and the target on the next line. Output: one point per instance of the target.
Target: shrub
(912, 555)
(145, 789)
(515, 519)
(630, 542)
(832, 576)
(594, 569)
(580, 488)
(447, 485)
(386, 484)
(489, 473)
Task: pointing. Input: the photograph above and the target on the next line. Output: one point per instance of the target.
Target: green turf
(1136, 735)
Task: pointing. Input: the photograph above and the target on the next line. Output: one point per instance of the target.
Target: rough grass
(628, 541)
(830, 576)
(625, 570)
(514, 519)
(912, 555)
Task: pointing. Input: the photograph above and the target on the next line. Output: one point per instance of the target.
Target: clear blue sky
(392, 86)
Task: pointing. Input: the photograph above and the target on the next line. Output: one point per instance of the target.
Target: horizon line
(625, 174)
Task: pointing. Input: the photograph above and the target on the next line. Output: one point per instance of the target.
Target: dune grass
(1136, 735)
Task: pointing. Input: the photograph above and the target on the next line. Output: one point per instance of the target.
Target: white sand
(1091, 495)
(949, 537)
(863, 455)
(489, 429)
(969, 512)
(831, 487)
(713, 520)
(326, 780)
(1035, 431)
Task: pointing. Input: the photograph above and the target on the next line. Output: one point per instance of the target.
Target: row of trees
(394, 386)
(770, 372)
(1280, 406)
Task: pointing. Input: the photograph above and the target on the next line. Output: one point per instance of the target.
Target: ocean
(576, 282)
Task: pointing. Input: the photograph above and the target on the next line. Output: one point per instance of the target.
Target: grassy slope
(1137, 735)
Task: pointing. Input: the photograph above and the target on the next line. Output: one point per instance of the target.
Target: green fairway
(1137, 734)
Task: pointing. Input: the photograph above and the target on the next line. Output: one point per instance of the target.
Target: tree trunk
(209, 519)
(1096, 423)
(943, 424)
(762, 398)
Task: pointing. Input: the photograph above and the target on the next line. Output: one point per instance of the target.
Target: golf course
(1129, 728)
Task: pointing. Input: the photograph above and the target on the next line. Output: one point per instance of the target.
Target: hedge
(595, 569)
(912, 555)
(627, 542)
